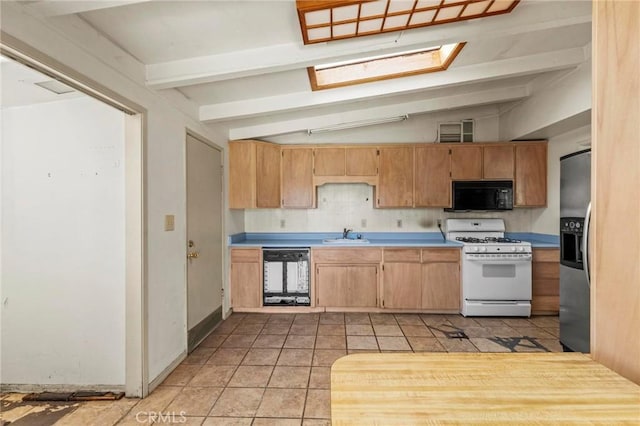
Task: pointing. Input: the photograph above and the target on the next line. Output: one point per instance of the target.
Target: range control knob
(483, 249)
(474, 248)
(513, 249)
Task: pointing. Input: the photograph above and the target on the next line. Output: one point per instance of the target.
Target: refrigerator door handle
(585, 244)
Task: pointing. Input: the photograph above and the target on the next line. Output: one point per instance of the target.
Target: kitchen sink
(345, 241)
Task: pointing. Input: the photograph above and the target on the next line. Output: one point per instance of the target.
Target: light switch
(169, 222)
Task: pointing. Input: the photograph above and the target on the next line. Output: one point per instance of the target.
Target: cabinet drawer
(245, 255)
(401, 255)
(546, 255)
(441, 255)
(346, 255)
(545, 270)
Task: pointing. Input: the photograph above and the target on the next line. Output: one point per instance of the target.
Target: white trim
(165, 373)
(25, 388)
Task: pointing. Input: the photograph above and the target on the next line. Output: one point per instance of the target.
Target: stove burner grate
(487, 240)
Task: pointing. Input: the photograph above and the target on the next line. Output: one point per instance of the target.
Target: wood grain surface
(485, 388)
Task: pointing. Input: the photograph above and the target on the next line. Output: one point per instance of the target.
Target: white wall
(547, 221)
(417, 129)
(63, 287)
(165, 132)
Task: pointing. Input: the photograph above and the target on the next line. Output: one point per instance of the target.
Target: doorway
(205, 243)
(95, 166)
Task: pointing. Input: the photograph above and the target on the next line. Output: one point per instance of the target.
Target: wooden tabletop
(487, 388)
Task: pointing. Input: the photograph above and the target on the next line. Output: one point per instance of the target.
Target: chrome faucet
(345, 233)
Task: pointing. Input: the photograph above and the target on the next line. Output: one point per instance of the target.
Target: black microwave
(482, 195)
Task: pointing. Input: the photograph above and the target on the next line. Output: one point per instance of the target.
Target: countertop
(376, 239)
(486, 388)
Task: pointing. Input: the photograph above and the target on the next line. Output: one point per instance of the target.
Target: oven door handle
(501, 261)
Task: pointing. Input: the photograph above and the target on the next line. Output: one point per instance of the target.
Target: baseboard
(198, 333)
(31, 388)
(165, 373)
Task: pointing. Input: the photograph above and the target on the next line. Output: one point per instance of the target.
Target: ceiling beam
(513, 67)
(477, 98)
(50, 8)
(568, 97)
(527, 17)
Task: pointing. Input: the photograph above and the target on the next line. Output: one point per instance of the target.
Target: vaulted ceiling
(244, 64)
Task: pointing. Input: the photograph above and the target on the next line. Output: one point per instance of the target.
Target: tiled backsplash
(348, 205)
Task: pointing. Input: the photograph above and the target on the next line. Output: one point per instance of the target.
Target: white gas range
(496, 271)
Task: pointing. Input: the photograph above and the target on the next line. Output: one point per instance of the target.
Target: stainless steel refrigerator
(575, 215)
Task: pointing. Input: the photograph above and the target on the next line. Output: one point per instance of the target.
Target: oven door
(496, 279)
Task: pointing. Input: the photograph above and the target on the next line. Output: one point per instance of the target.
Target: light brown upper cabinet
(395, 177)
(432, 180)
(329, 162)
(498, 161)
(344, 164)
(466, 162)
(254, 175)
(362, 161)
(531, 174)
(297, 177)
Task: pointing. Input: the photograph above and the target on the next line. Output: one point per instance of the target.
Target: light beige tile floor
(261, 369)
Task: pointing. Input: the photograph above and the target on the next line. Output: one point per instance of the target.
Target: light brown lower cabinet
(441, 286)
(402, 286)
(545, 281)
(421, 279)
(246, 289)
(346, 277)
(347, 286)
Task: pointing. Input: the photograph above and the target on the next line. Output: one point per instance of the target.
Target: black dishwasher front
(286, 277)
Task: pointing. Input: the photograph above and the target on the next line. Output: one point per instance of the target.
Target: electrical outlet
(399, 223)
(283, 223)
(363, 223)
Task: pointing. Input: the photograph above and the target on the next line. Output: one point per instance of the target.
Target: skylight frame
(339, 74)
(327, 20)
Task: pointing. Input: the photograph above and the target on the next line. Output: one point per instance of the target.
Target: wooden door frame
(135, 124)
(190, 341)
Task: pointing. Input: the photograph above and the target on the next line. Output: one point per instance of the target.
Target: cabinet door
(268, 173)
(498, 162)
(441, 286)
(347, 286)
(545, 281)
(245, 285)
(362, 161)
(329, 162)
(297, 177)
(242, 175)
(432, 180)
(395, 179)
(531, 175)
(466, 162)
(401, 286)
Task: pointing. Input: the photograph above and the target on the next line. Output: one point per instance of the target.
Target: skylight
(383, 67)
(326, 20)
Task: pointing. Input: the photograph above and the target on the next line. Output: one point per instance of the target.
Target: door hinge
(383, 267)
(377, 152)
(450, 152)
